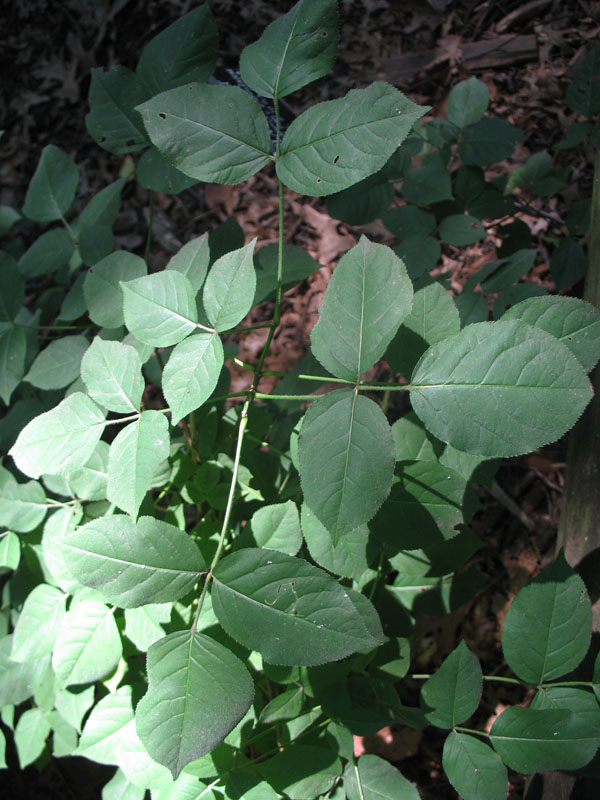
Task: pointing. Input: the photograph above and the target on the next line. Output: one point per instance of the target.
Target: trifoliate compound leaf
(112, 372)
(288, 610)
(60, 440)
(499, 389)
(197, 692)
(334, 144)
(367, 298)
(160, 309)
(212, 133)
(131, 564)
(297, 48)
(191, 373)
(346, 456)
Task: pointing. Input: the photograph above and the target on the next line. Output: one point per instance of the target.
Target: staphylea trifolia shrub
(215, 596)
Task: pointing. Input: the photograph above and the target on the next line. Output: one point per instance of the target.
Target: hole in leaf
(102, 138)
(336, 159)
(162, 115)
(323, 33)
(318, 180)
(129, 143)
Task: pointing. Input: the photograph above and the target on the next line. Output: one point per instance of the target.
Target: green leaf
(60, 440)
(120, 788)
(59, 363)
(133, 564)
(288, 610)
(363, 202)
(154, 172)
(192, 260)
(583, 95)
(453, 693)
(419, 253)
(216, 134)
(17, 680)
(103, 732)
(191, 373)
(160, 309)
(473, 768)
(185, 51)
(346, 454)
(424, 506)
(51, 191)
(516, 294)
(302, 772)
(73, 706)
(467, 102)
(12, 288)
(10, 550)
(433, 317)
(461, 230)
(373, 778)
(89, 482)
(337, 143)
(198, 691)
(95, 243)
(30, 735)
(297, 265)
(134, 456)
(137, 766)
(285, 706)
(573, 321)
(229, 289)
(143, 625)
(367, 298)
(568, 263)
(430, 183)
(530, 740)
(488, 141)
(50, 251)
(22, 505)
(112, 372)
(102, 290)
(8, 217)
(347, 558)
(499, 389)
(548, 627)
(88, 645)
(409, 220)
(297, 48)
(102, 209)
(277, 527)
(112, 122)
(13, 348)
(39, 623)
(508, 270)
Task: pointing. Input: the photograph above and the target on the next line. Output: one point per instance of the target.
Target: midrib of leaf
(124, 562)
(123, 109)
(50, 192)
(315, 142)
(354, 396)
(220, 132)
(362, 317)
(185, 699)
(549, 629)
(171, 312)
(99, 623)
(282, 61)
(358, 781)
(120, 390)
(545, 387)
(286, 614)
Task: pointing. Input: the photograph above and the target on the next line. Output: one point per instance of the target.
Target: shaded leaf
(291, 612)
(58, 364)
(346, 457)
(499, 389)
(373, 778)
(198, 691)
(467, 102)
(101, 287)
(51, 191)
(334, 144)
(452, 693)
(277, 527)
(473, 768)
(112, 122)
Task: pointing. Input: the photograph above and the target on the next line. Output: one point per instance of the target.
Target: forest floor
(524, 52)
